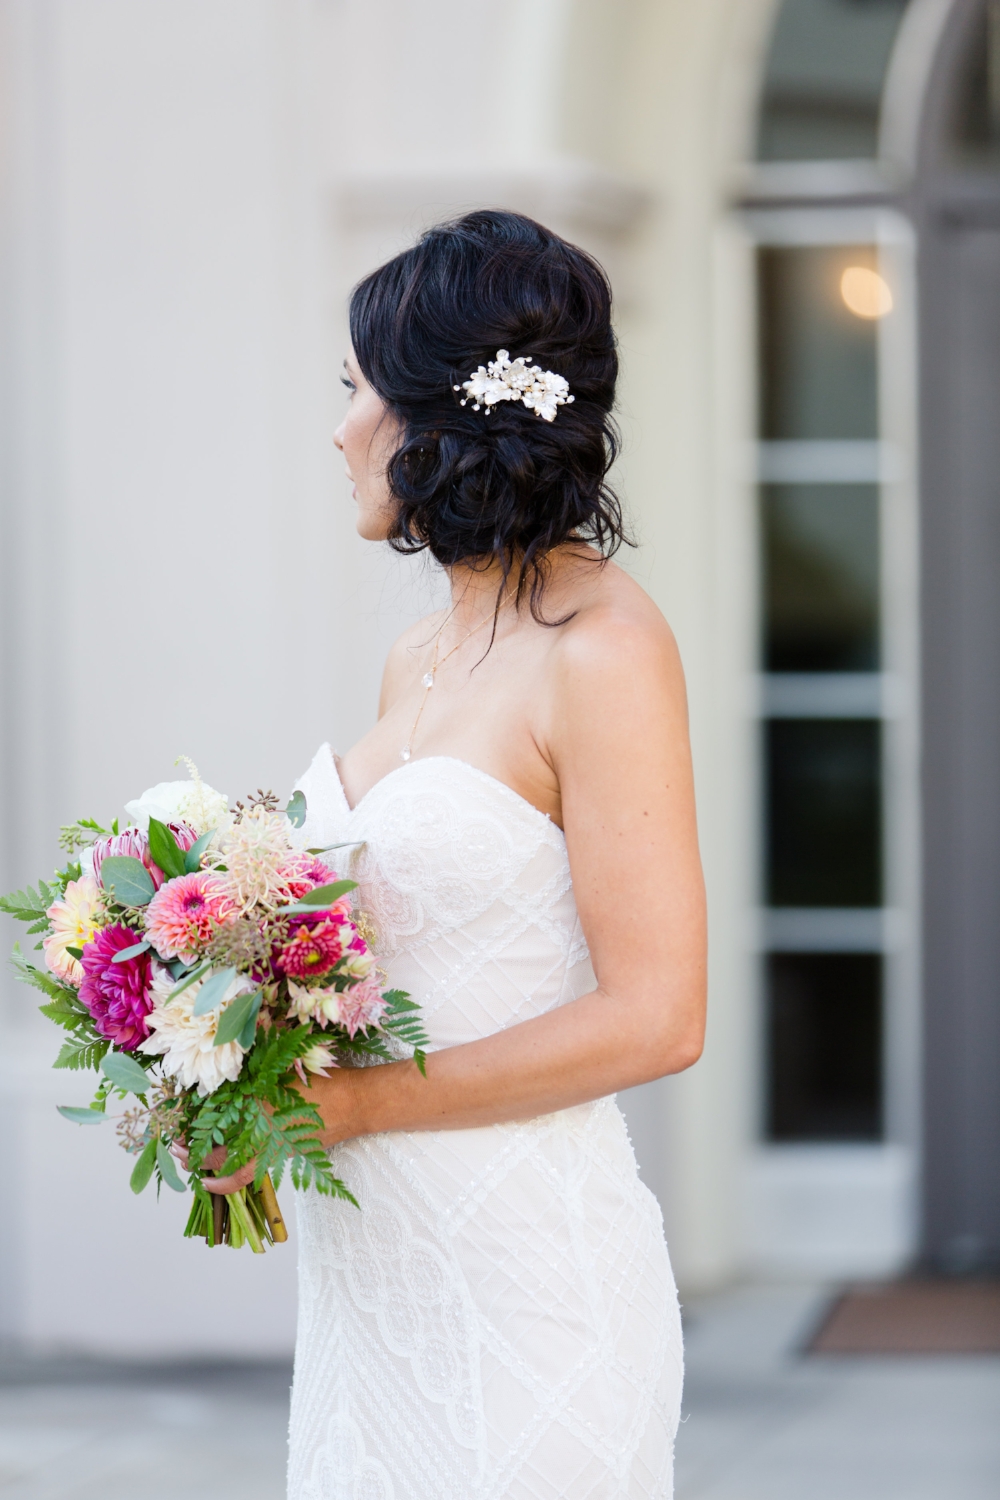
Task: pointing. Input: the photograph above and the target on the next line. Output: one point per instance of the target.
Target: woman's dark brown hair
(500, 485)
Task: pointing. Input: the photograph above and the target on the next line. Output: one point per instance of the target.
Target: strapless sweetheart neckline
(451, 760)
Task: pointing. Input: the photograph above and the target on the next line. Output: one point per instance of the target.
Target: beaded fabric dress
(499, 1322)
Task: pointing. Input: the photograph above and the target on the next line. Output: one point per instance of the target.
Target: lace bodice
(469, 889)
(499, 1321)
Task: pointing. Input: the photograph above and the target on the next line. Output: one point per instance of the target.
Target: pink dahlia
(118, 996)
(361, 1006)
(311, 950)
(303, 873)
(135, 842)
(185, 913)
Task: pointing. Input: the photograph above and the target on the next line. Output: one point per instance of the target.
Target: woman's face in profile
(367, 439)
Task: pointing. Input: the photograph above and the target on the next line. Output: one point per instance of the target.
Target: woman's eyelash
(348, 383)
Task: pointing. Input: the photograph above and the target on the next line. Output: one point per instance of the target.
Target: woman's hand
(215, 1158)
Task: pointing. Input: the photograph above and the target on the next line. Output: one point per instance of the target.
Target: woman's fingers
(215, 1157)
(231, 1184)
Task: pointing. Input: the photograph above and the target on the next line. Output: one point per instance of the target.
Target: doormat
(913, 1317)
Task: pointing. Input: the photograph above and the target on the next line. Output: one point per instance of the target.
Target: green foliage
(76, 835)
(263, 1116)
(323, 895)
(47, 983)
(167, 1168)
(126, 1074)
(211, 992)
(238, 1019)
(81, 1052)
(143, 1169)
(81, 1116)
(196, 973)
(126, 953)
(30, 905)
(402, 1023)
(296, 809)
(127, 880)
(165, 850)
(192, 859)
(64, 1013)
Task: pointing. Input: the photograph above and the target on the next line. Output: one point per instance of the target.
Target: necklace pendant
(404, 754)
(428, 679)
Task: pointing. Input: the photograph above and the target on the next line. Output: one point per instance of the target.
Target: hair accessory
(505, 379)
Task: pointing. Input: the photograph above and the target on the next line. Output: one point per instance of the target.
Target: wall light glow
(865, 292)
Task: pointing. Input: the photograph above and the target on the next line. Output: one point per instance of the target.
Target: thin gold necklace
(427, 681)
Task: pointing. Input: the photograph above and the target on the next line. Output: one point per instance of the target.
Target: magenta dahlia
(311, 950)
(117, 995)
(134, 842)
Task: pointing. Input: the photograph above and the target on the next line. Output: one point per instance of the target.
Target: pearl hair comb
(505, 379)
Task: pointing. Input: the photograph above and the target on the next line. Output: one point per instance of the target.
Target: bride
(499, 1321)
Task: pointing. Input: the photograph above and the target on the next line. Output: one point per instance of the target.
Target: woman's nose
(338, 437)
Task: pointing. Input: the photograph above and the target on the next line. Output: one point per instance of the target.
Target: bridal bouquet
(205, 963)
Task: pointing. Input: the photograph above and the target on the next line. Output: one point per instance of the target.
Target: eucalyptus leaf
(178, 989)
(249, 1031)
(296, 809)
(127, 880)
(143, 1169)
(81, 1116)
(323, 895)
(76, 953)
(125, 1073)
(212, 991)
(192, 859)
(165, 850)
(132, 952)
(236, 1016)
(168, 1168)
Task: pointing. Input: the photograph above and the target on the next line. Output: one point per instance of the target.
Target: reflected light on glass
(866, 294)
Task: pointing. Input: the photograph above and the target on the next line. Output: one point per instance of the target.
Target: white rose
(358, 965)
(191, 802)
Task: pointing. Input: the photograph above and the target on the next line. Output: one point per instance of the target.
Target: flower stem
(275, 1223)
(244, 1219)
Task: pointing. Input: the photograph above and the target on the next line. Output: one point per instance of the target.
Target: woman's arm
(617, 739)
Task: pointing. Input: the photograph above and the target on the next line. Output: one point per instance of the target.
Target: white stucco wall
(188, 193)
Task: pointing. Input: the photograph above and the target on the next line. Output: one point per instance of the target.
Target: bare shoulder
(405, 656)
(617, 635)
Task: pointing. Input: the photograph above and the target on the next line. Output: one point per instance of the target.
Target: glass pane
(821, 577)
(825, 1046)
(979, 90)
(818, 370)
(823, 827)
(823, 84)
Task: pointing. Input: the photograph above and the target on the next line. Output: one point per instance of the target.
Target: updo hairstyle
(498, 485)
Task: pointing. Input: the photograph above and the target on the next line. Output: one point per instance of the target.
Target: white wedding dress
(499, 1321)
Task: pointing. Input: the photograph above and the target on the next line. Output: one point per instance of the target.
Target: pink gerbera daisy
(185, 913)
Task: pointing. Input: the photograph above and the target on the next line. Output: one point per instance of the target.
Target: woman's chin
(372, 528)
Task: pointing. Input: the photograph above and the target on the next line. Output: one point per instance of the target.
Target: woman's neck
(475, 593)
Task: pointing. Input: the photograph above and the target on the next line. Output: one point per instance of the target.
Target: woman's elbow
(680, 1047)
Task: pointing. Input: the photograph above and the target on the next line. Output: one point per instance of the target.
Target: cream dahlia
(186, 1042)
(74, 921)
